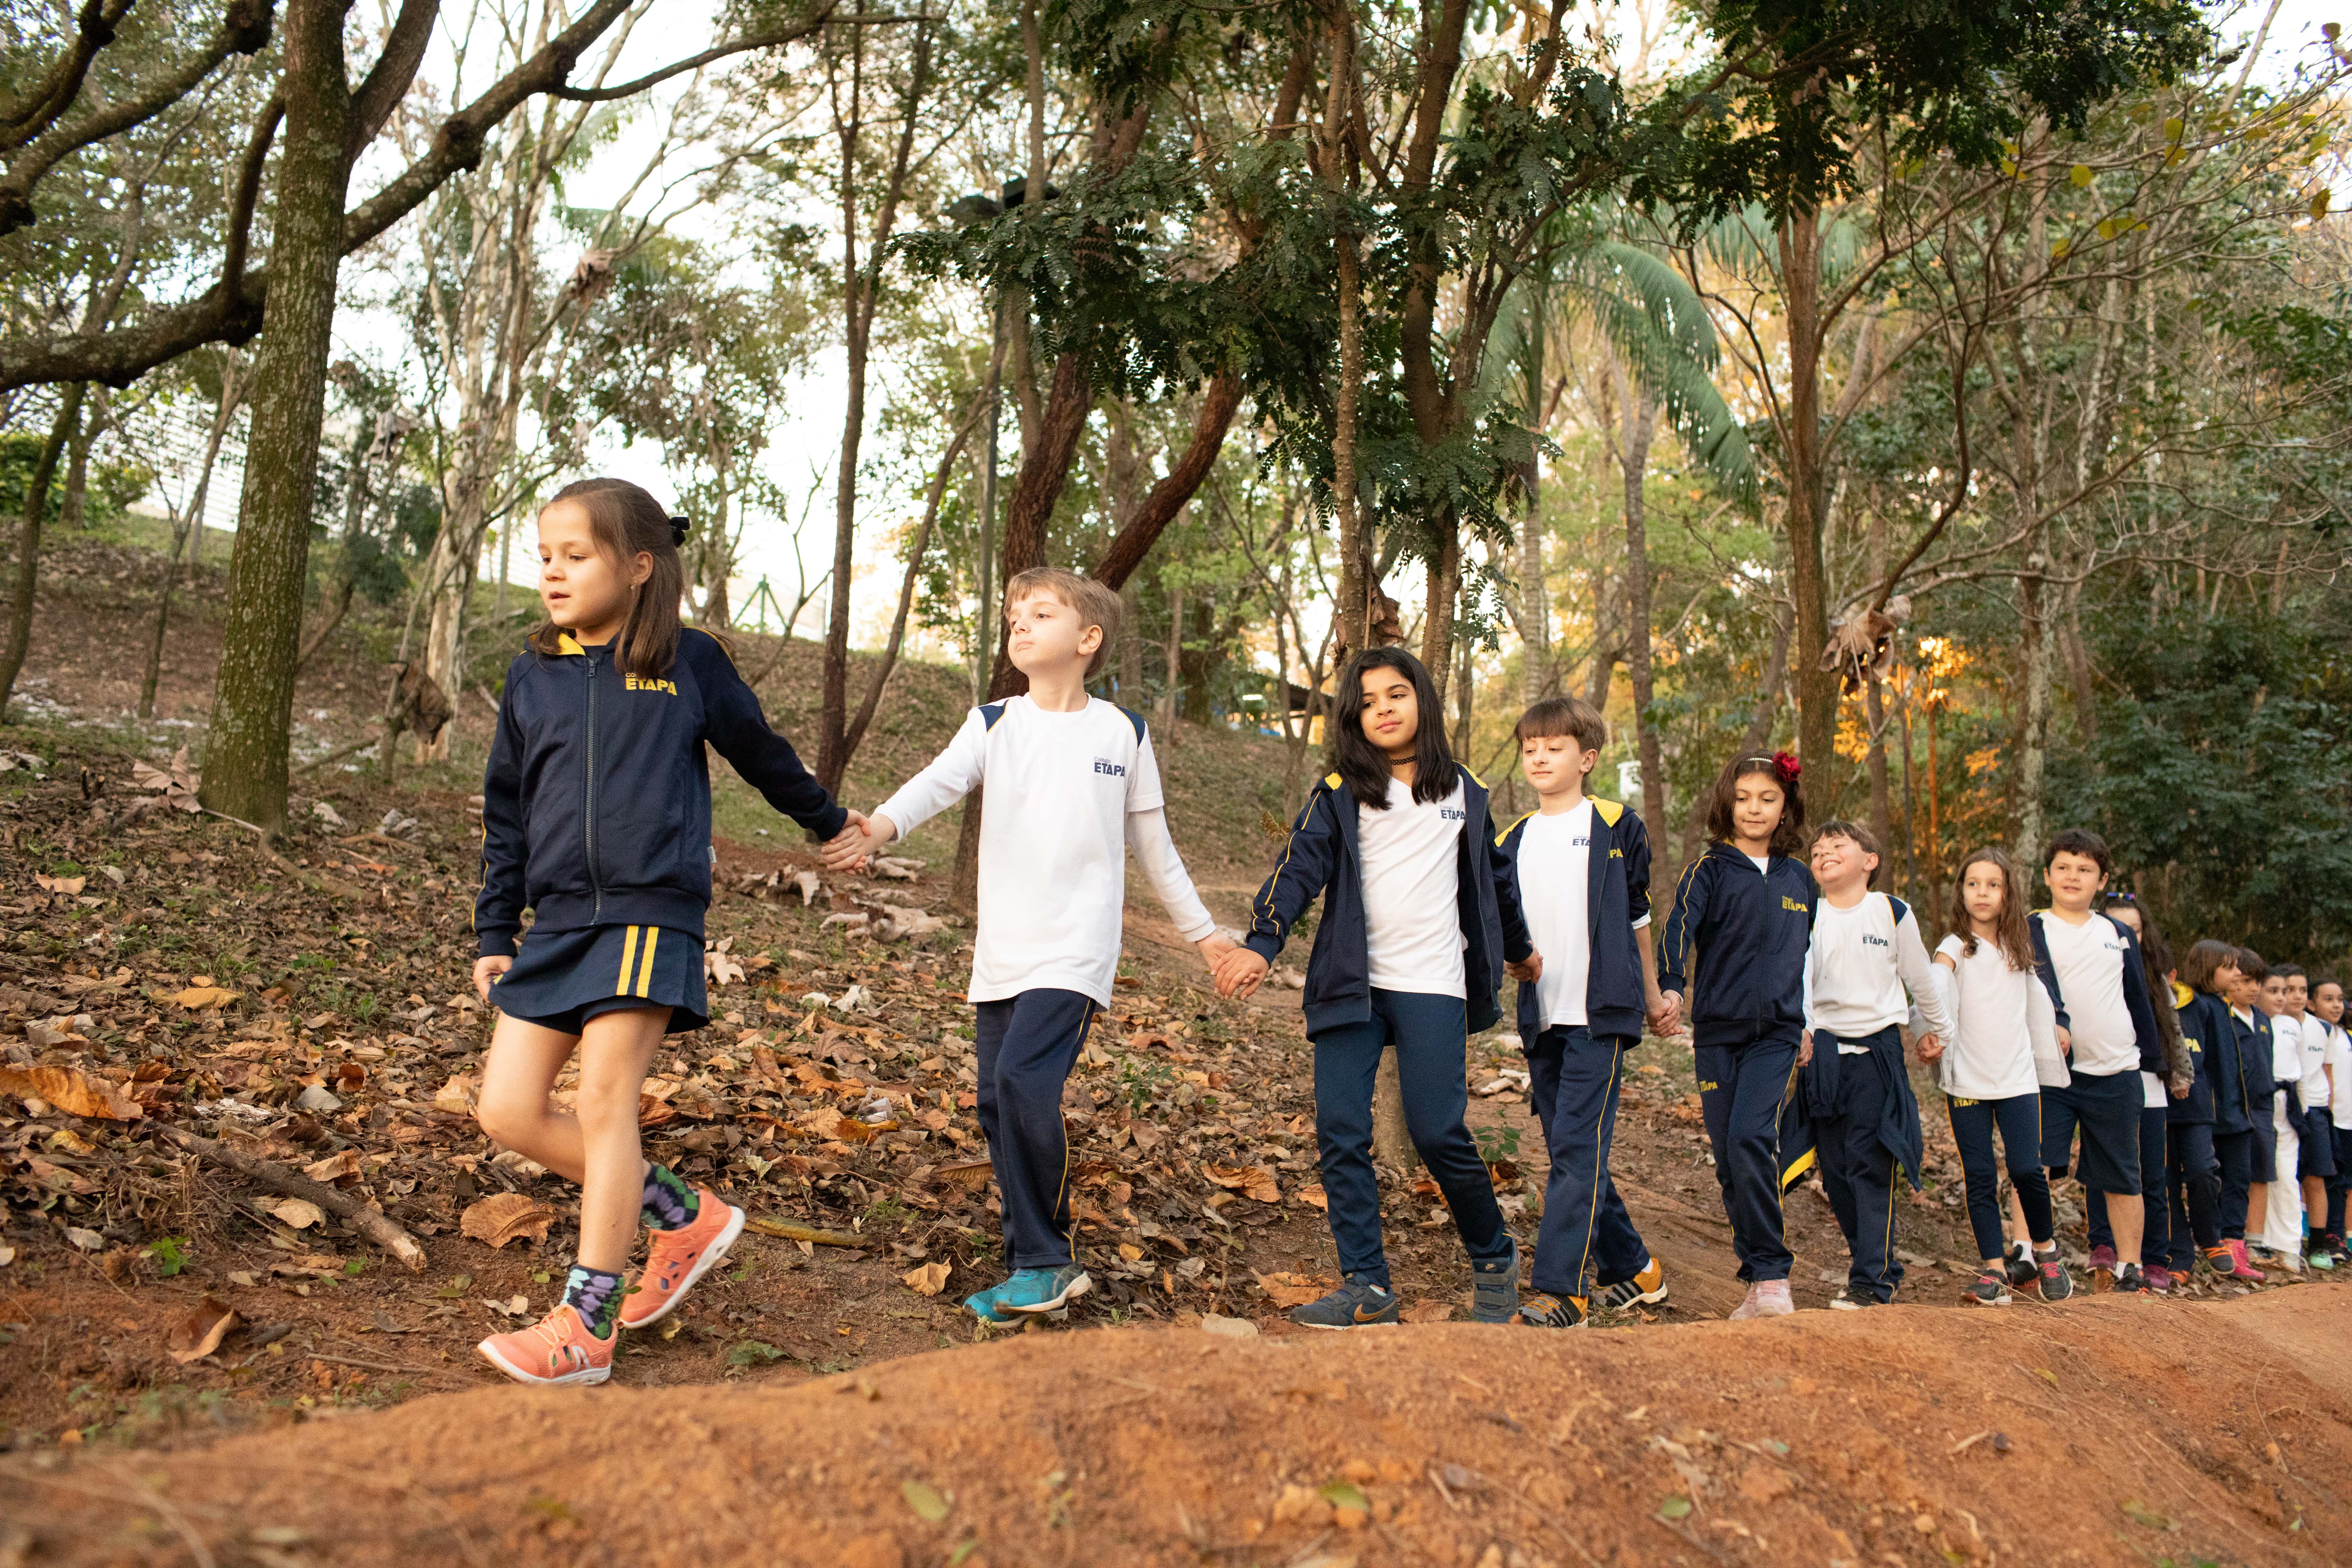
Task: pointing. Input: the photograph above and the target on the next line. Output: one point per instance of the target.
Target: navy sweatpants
(2234, 1154)
(1740, 1093)
(1573, 1080)
(2193, 1178)
(1858, 1171)
(1429, 1033)
(1026, 1045)
(2156, 1234)
(2019, 1118)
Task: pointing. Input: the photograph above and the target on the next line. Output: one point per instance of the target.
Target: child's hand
(1666, 1012)
(858, 841)
(1805, 1049)
(487, 969)
(1216, 948)
(2065, 1041)
(1529, 969)
(1240, 972)
(1930, 1047)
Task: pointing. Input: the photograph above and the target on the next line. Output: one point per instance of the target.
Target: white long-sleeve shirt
(2003, 1024)
(1067, 794)
(1861, 963)
(2310, 1078)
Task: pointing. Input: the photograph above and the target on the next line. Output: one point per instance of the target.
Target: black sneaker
(2022, 1270)
(2130, 1281)
(1358, 1304)
(1495, 1288)
(1646, 1289)
(1548, 1312)
(1854, 1298)
(2055, 1282)
(1989, 1289)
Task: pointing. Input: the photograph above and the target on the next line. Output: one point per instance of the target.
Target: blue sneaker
(1031, 1291)
(982, 1304)
(1358, 1304)
(1495, 1288)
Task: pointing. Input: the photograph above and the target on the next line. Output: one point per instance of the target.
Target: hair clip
(1787, 766)
(677, 527)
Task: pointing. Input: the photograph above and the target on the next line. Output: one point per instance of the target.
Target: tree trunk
(1639, 427)
(190, 524)
(1444, 587)
(1356, 587)
(1817, 689)
(1172, 684)
(832, 723)
(28, 541)
(1881, 805)
(253, 696)
(73, 511)
(2034, 743)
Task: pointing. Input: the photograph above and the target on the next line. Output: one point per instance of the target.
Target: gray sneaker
(1495, 1288)
(1358, 1304)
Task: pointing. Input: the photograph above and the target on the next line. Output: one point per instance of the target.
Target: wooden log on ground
(369, 1222)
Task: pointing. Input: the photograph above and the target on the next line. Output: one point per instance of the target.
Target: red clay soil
(2104, 1431)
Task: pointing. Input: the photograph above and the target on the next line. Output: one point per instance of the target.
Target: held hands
(1216, 948)
(1665, 1012)
(1805, 1049)
(2065, 1041)
(859, 840)
(488, 970)
(1240, 972)
(1930, 1049)
(1529, 969)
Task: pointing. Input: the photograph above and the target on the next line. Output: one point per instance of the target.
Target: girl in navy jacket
(1420, 920)
(597, 815)
(1743, 914)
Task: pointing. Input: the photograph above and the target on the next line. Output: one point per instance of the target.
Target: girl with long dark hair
(1420, 920)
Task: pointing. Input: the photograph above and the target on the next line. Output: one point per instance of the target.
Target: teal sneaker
(1031, 1291)
(1358, 1304)
(982, 1304)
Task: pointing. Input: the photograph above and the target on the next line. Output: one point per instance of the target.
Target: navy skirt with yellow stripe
(561, 979)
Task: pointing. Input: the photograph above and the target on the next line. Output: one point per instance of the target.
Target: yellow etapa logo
(1706, 1085)
(1789, 904)
(636, 683)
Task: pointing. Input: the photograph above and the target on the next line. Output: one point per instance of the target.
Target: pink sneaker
(677, 1258)
(2157, 1278)
(2241, 1267)
(556, 1350)
(1766, 1299)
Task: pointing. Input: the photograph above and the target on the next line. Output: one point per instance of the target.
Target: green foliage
(111, 486)
(170, 1255)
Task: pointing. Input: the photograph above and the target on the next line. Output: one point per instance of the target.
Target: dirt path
(2110, 1431)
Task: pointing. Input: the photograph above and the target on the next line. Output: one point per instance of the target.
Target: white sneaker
(1748, 1308)
(1773, 1299)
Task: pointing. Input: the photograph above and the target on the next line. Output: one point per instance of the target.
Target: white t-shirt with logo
(2088, 959)
(1858, 967)
(1411, 866)
(2338, 1058)
(1555, 891)
(1068, 794)
(2311, 1077)
(2286, 1048)
(2002, 1020)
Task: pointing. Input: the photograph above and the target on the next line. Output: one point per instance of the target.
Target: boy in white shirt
(2282, 1228)
(2091, 966)
(2315, 1152)
(1864, 970)
(1072, 786)
(1582, 866)
(2327, 1007)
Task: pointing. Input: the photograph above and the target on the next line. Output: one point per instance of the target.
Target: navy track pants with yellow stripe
(1027, 1046)
(1859, 1172)
(1573, 1079)
(1741, 1089)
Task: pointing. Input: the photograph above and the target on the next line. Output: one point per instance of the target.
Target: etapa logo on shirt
(1789, 904)
(641, 683)
(1451, 814)
(1109, 769)
(1871, 938)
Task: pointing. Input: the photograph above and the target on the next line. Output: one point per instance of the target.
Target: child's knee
(603, 1106)
(509, 1118)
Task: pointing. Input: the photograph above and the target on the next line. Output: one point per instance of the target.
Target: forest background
(1961, 402)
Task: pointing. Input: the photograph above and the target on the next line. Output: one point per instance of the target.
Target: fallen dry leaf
(456, 1097)
(61, 884)
(334, 1167)
(1288, 1290)
(928, 1281)
(73, 1092)
(502, 1217)
(1434, 1310)
(963, 1173)
(300, 1213)
(1255, 1181)
(196, 997)
(1313, 1197)
(200, 1333)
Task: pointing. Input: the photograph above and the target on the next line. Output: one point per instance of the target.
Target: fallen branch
(336, 756)
(370, 1223)
(791, 1230)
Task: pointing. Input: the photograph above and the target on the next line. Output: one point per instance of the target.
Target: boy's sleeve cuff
(499, 943)
(1264, 946)
(828, 823)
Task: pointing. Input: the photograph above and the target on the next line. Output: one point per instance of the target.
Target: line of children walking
(2221, 1126)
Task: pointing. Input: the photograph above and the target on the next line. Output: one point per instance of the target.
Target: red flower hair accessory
(1787, 767)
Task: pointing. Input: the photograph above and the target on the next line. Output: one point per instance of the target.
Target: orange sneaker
(556, 1350)
(677, 1258)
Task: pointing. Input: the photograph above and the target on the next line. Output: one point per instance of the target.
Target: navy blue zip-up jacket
(2205, 1036)
(2135, 1002)
(1617, 893)
(596, 803)
(1322, 857)
(1750, 929)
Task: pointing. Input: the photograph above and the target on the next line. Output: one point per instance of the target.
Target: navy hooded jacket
(1617, 893)
(2135, 980)
(1750, 929)
(596, 803)
(1321, 857)
(2205, 1035)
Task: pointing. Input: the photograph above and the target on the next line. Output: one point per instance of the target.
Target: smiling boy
(2091, 965)
(1072, 787)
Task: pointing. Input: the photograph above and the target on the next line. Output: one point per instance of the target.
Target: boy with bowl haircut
(2092, 967)
(1075, 787)
(1582, 866)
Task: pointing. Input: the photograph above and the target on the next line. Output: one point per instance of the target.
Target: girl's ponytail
(629, 523)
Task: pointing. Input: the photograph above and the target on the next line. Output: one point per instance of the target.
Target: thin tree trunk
(190, 524)
(73, 510)
(253, 697)
(1444, 588)
(1356, 587)
(2033, 745)
(1881, 805)
(28, 541)
(1817, 689)
(1639, 427)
